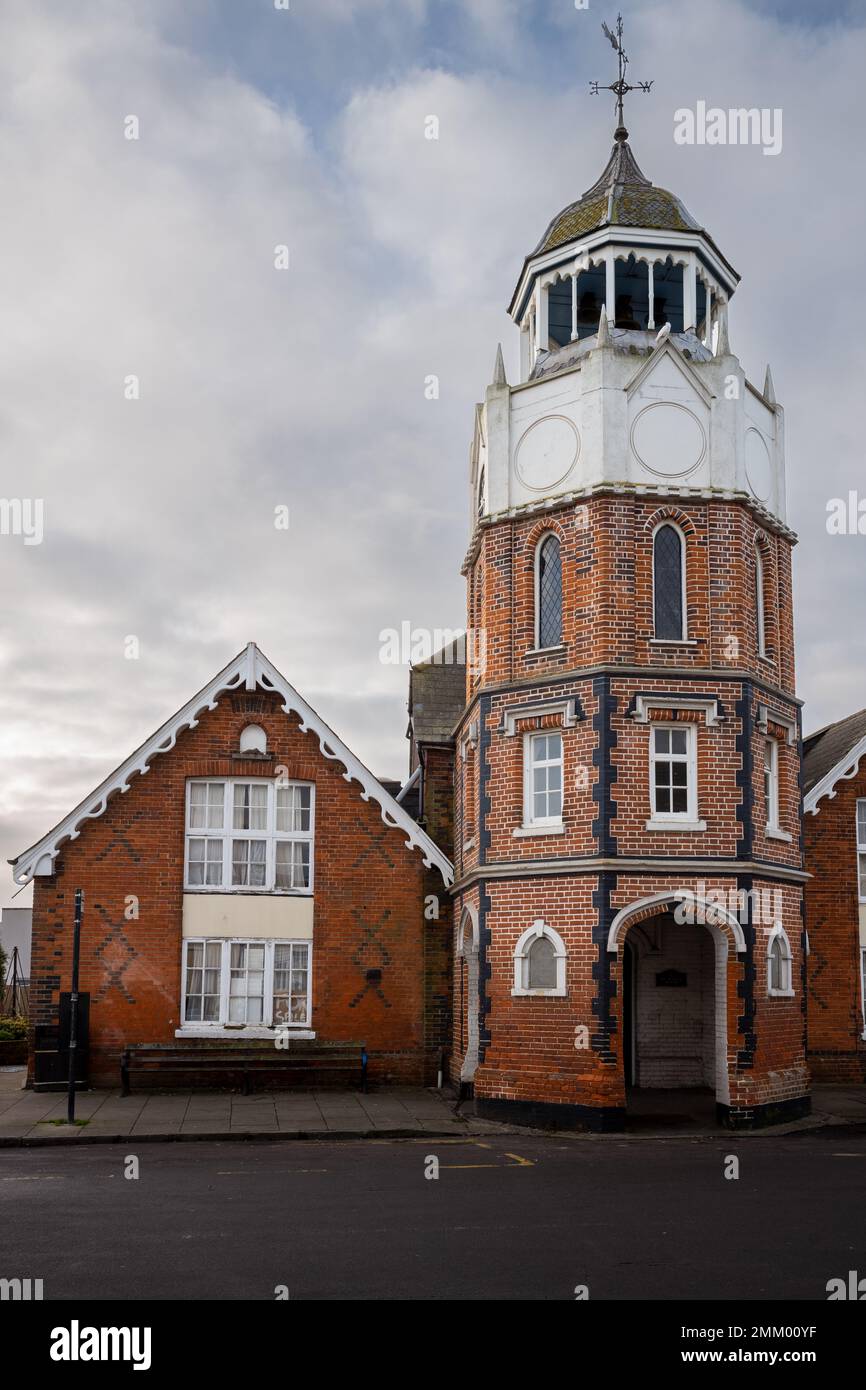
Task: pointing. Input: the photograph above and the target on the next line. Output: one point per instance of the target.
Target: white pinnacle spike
(603, 339)
(769, 393)
(499, 377)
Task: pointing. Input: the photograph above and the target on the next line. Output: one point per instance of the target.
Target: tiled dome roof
(622, 196)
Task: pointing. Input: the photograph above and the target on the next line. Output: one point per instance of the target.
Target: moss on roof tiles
(622, 196)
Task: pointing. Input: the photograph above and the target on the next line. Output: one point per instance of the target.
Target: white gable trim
(249, 670)
(844, 770)
(667, 349)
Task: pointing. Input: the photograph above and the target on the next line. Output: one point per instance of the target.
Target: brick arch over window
(677, 516)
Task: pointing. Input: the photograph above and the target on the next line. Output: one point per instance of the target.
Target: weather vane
(620, 87)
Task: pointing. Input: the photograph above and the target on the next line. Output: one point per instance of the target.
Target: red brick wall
(606, 551)
(369, 903)
(607, 585)
(837, 1051)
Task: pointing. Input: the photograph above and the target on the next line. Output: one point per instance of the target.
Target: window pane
(668, 584)
(197, 806)
(549, 598)
(679, 740)
(293, 809)
(542, 964)
(861, 823)
(662, 740)
(215, 805)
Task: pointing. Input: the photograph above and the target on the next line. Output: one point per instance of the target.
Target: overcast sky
(260, 387)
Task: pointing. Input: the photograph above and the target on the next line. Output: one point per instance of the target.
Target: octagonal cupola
(632, 249)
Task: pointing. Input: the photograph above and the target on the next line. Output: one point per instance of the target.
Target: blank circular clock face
(759, 472)
(547, 452)
(668, 440)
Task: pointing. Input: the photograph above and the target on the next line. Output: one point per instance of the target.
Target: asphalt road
(512, 1218)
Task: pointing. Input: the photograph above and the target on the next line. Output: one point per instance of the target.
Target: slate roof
(827, 747)
(622, 196)
(437, 694)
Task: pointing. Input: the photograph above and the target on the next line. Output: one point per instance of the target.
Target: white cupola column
(542, 330)
(651, 291)
(525, 349)
(574, 275)
(610, 285)
(690, 293)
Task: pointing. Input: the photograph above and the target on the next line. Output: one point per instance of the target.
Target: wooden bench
(304, 1063)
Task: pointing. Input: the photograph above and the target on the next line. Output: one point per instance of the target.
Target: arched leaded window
(669, 584)
(760, 616)
(779, 974)
(548, 593)
(539, 961)
(541, 964)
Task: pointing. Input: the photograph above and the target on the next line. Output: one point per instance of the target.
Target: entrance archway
(467, 953)
(674, 992)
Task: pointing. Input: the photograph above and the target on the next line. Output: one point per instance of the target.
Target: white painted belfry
(248, 664)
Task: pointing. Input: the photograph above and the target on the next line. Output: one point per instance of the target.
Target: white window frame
(687, 819)
(222, 1026)
(537, 595)
(863, 988)
(787, 991)
(227, 834)
(771, 784)
(759, 602)
(521, 961)
(529, 820)
(861, 849)
(684, 611)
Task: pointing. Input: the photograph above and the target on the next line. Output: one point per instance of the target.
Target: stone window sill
(558, 650)
(255, 1032)
(677, 825)
(781, 993)
(538, 993)
(772, 832)
(673, 641)
(524, 830)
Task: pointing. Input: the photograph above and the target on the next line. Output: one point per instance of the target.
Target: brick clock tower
(628, 862)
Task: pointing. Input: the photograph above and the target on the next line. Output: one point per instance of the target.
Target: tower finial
(620, 86)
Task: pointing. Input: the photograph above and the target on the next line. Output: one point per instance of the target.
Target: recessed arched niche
(253, 739)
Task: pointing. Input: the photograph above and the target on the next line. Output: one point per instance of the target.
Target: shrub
(12, 1029)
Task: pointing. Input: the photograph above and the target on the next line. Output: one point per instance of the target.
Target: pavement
(509, 1217)
(28, 1118)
